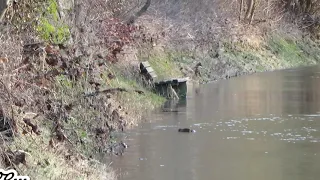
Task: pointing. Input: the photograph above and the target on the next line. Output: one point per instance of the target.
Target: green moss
(52, 9)
(49, 26)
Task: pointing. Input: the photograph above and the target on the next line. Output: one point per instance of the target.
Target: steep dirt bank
(64, 93)
(62, 109)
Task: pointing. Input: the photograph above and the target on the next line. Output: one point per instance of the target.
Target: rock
(64, 55)
(100, 131)
(14, 158)
(115, 116)
(118, 149)
(111, 76)
(64, 6)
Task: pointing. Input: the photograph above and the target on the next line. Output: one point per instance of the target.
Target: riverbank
(271, 52)
(64, 93)
(70, 82)
(235, 48)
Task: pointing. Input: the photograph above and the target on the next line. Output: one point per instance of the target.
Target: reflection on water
(263, 126)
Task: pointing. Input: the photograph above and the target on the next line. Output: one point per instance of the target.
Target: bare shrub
(301, 7)
(95, 30)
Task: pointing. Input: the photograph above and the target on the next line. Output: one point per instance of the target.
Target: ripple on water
(308, 129)
(246, 132)
(165, 127)
(232, 138)
(312, 115)
(203, 124)
(315, 140)
(261, 127)
(251, 128)
(294, 139)
(277, 134)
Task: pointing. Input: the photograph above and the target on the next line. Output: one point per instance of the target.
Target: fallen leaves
(116, 35)
(4, 60)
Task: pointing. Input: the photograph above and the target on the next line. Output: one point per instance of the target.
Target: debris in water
(186, 130)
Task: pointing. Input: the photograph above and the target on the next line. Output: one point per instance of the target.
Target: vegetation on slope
(63, 102)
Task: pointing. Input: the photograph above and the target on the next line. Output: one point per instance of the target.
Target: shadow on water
(261, 126)
(175, 105)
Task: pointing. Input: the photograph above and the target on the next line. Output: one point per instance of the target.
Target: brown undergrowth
(62, 104)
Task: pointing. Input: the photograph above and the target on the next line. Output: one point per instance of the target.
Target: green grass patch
(45, 162)
(246, 59)
(137, 102)
(63, 82)
(293, 53)
(164, 66)
(82, 120)
(182, 57)
(286, 50)
(280, 52)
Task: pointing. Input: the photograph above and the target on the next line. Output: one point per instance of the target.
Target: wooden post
(172, 92)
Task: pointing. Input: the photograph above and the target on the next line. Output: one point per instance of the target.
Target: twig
(14, 123)
(112, 90)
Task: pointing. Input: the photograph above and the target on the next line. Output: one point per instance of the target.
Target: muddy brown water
(263, 126)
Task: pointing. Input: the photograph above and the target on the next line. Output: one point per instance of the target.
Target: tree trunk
(250, 4)
(308, 6)
(3, 8)
(252, 10)
(139, 13)
(241, 7)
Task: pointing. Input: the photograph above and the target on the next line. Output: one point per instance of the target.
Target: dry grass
(24, 90)
(45, 162)
(37, 80)
(137, 105)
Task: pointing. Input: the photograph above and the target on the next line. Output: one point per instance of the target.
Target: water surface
(263, 126)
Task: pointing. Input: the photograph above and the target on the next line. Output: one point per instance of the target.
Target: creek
(262, 126)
